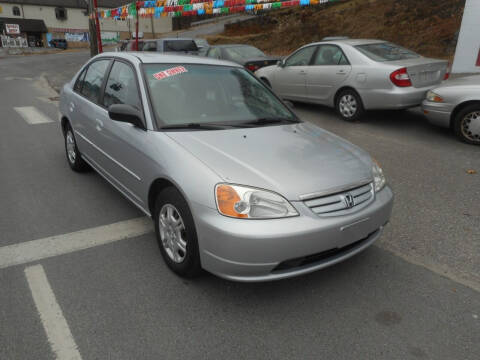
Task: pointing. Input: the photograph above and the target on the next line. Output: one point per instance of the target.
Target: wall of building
(467, 54)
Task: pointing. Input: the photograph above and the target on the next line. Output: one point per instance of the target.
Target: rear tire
(176, 233)
(349, 105)
(74, 158)
(466, 125)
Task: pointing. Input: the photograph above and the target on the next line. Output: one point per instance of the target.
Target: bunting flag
(176, 8)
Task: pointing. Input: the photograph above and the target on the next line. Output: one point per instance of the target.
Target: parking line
(56, 327)
(35, 250)
(32, 115)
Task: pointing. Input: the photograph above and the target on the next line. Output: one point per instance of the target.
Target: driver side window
(301, 57)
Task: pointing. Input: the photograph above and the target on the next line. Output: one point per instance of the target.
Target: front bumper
(437, 113)
(262, 250)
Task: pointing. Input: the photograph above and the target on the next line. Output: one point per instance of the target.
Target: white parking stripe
(62, 244)
(32, 115)
(55, 325)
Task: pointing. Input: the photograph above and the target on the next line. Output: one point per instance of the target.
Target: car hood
(467, 81)
(292, 160)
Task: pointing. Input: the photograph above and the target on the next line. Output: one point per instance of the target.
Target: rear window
(180, 45)
(240, 53)
(386, 52)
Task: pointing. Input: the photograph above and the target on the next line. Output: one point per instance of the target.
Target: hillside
(428, 27)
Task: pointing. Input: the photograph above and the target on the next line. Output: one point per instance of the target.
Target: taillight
(400, 78)
(253, 67)
(447, 73)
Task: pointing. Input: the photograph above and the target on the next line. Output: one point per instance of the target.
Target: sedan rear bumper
(395, 98)
(262, 250)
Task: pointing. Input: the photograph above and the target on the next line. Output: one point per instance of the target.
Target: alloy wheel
(470, 126)
(172, 233)
(348, 106)
(71, 151)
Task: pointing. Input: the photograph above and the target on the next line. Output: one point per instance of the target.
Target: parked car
(245, 55)
(201, 43)
(172, 45)
(235, 182)
(355, 75)
(59, 43)
(456, 105)
(131, 45)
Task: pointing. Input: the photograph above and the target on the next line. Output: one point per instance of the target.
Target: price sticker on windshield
(170, 72)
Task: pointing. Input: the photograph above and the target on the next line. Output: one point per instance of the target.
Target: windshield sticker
(170, 72)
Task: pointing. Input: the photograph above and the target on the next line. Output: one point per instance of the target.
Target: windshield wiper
(193, 126)
(267, 121)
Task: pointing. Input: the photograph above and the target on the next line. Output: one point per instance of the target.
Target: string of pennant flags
(177, 8)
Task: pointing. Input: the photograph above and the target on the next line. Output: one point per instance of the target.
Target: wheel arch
(63, 122)
(155, 188)
(459, 108)
(342, 89)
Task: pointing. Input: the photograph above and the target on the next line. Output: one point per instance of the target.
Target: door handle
(303, 72)
(341, 72)
(99, 125)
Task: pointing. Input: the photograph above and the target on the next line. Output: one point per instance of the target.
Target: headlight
(378, 177)
(431, 96)
(250, 203)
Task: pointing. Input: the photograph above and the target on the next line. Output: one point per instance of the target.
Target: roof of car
(161, 58)
(353, 42)
(230, 45)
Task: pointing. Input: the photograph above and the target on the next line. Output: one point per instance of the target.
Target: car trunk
(422, 71)
(255, 64)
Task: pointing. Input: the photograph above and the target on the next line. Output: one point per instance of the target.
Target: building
(36, 22)
(467, 54)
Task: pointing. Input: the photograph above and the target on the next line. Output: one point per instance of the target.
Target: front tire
(467, 124)
(349, 105)
(74, 158)
(176, 233)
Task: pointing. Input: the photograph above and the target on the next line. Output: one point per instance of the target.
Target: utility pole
(91, 28)
(97, 27)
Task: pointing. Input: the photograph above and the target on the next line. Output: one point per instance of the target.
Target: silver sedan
(235, 183)
(456, 105)
(355, 75)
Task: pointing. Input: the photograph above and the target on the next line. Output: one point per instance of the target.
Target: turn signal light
(400, 78)
(227, 198)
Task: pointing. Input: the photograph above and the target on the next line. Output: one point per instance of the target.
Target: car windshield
(202, 94)
(180, 45)
(240, 53)
(386, 52)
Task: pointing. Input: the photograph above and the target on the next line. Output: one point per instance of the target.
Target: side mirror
(281, 63)
(127, 114)
(289, 104)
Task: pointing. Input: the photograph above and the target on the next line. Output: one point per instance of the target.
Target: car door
(290, 79)
(329, 70)
(85, 109)
(124, 160)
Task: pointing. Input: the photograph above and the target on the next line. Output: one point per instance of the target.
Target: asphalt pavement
(413, 295)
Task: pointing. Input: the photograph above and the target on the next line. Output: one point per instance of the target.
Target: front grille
(319, 257)
(342, 203)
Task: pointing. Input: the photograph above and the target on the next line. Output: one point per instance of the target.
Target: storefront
(22, 32)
